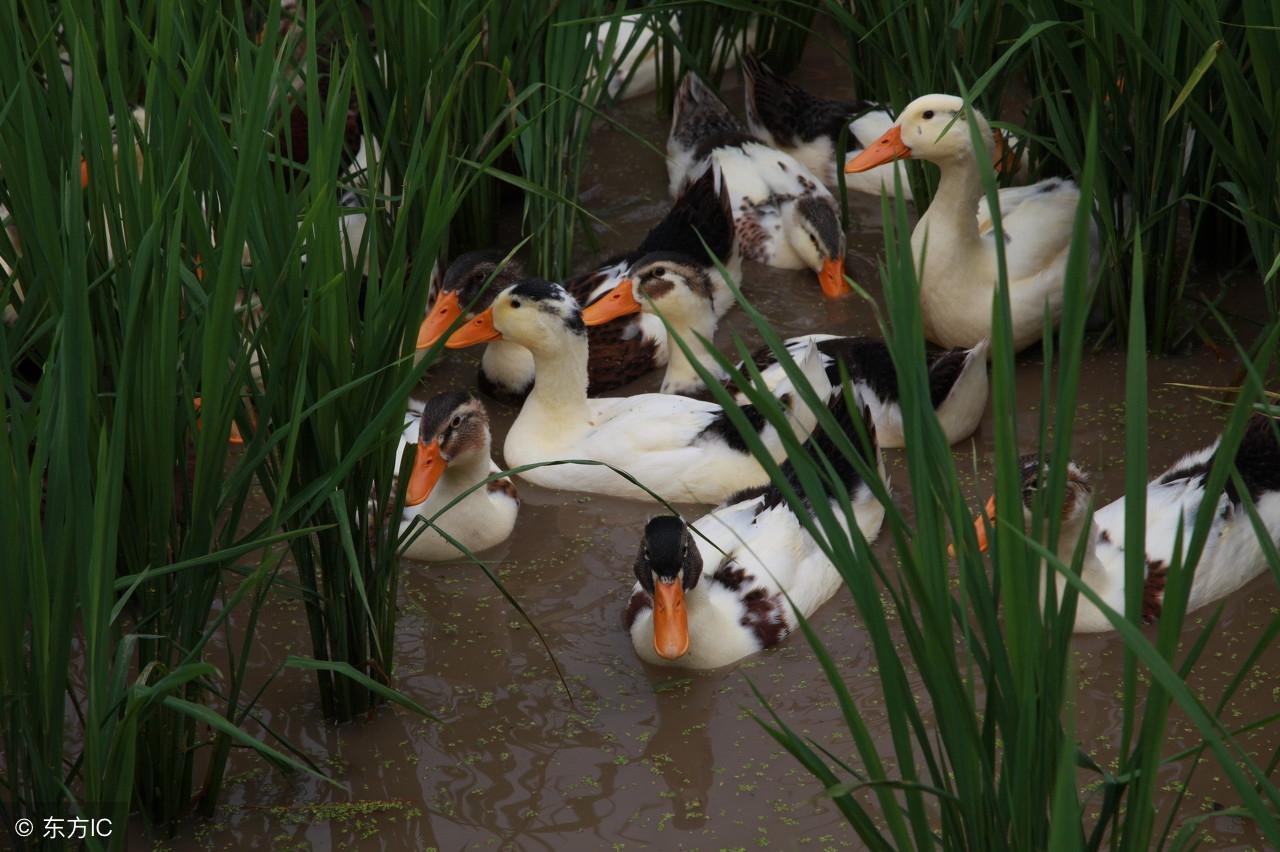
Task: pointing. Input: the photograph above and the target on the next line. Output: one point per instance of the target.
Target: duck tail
(1258, 458)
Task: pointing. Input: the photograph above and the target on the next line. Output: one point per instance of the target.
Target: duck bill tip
(886, 149)
(831, 278)
(442, 315)
(478, 330)
(618, 302)
(670, 621)
(428, 467)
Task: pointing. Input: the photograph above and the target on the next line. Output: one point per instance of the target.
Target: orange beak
(428, 467)
(670, 621)
(886, 149)
(84, 173)
(986, 519)
(831, 277)
(479, 330)
(618, 302)
(437, 321)
(235, 437)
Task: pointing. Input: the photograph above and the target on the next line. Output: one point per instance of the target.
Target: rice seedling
(999, 768)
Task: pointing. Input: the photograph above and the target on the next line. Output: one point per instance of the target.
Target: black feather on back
(722, 428)
(699, 214)
(700, 115)
(1258, 459)
(789, 113)
(866, 361)
(821, 442)
(944, 372)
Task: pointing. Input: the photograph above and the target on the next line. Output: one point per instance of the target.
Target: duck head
(1075, 503)
(453, 430)
(925, 131)
(667, 566)
(535, 313)
(812, 227)
(465, 284)
(669, 283)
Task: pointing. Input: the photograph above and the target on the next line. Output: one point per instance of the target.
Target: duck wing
(785, 115)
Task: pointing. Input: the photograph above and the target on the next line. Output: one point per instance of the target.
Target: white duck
(783, 215)
(684, 449)
(703, 604)
(807, 127)
(452, 434)
(698, 224)
(958, 273)
(664, 284)
(1232, 554)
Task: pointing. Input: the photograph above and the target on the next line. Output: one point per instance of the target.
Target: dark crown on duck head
(1032, 471)
(652, 274)
(666, 549)
(825, 222)
(457, 419)
(468, 273)
(548, 297)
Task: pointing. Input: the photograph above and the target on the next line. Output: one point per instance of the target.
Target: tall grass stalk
(983, 754)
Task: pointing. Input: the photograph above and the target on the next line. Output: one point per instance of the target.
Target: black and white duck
(663, 284)
(703, 604)
(1232, 553)
(783, 214)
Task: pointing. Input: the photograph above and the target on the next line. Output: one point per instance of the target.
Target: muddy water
(635, 756)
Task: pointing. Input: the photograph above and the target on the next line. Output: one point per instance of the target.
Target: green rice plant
(561, 56)
(136, 545)
(1139, 68)
(898, 50)
(981, 752)
(1237, 123)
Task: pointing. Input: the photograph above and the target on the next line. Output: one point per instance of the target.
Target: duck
(708, 600)
(663, 284)
(1232, 553)
(783, 215)
(958, 273)
(451, 432)
(699, 225)
(781, 114)
(686, 450)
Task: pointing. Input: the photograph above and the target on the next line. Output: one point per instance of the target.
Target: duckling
(958, 273)
(621, 351)
(703, 604)
(686, 450)
(452, 434)
(1232, 553)
(784, 216)
(805, 126)
(665, 284)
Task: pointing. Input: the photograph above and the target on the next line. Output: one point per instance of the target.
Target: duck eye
(928, 114)
(515, 303)
(457, 420)
(660, 272)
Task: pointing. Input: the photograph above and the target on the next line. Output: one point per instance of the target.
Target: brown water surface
(665, 758)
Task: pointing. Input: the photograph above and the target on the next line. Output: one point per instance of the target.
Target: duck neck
(689, 326)
(952, 217)
(1092, 572)
(560, 378)
(464, 472)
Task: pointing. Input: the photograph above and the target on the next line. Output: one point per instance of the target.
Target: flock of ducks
(731, 583)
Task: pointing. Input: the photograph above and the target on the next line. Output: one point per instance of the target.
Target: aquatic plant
(1000, 766)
